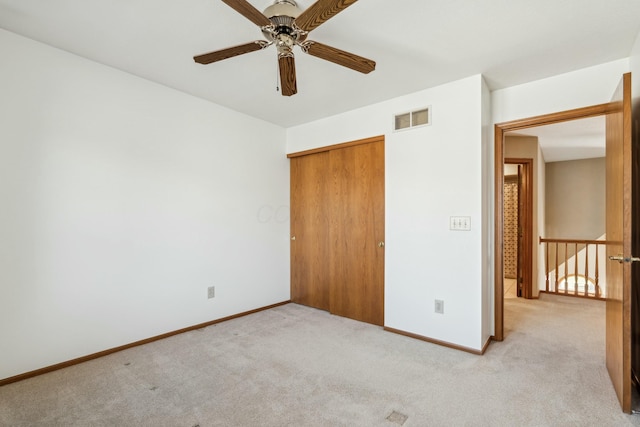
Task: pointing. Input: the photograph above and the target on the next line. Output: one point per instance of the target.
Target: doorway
(518, 225)
(500, 130)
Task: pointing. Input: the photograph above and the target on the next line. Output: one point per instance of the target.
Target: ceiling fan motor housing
(282, 13)
(284, 8)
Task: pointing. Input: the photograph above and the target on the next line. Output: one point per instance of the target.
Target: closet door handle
(381, 244)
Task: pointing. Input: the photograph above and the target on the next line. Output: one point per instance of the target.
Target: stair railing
(575, 267)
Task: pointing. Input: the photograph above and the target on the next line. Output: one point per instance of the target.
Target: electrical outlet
(439, 306)
(211, 292)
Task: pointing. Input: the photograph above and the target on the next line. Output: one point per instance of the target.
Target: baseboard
(486, 345)
(83, 359)
(439, 342)
(572, 295)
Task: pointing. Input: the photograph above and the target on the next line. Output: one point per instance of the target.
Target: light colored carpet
(297, 366)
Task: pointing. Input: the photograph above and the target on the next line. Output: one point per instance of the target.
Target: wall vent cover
(421, 117)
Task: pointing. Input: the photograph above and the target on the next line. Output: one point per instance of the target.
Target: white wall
(122, 201)
(432, 173)
(577, 89)
(635, 70)
(575, 186)
(488, 222)
(541, 184)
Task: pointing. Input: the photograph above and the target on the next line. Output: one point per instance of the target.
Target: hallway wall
(527, 147)
(575, 199)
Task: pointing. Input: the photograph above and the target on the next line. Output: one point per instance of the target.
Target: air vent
(412, 119)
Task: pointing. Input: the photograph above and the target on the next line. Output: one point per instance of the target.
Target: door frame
(526, 193)
(499, 131)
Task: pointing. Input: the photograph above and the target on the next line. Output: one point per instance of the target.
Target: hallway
(510, 290)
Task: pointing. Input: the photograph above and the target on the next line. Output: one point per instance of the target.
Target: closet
(337, 229)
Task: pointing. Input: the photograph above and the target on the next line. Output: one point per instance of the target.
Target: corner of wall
(488, 223)
(634, 66)
(541, 183)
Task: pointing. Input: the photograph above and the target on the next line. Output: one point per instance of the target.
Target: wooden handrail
(586, 242)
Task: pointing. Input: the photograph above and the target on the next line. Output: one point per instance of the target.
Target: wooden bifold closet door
(337, 229)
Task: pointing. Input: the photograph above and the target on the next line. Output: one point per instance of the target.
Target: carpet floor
(297, 366)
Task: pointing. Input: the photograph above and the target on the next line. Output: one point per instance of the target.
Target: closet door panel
(310, 256)
(356, 232)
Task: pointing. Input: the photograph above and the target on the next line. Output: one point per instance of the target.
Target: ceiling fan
(286, 25)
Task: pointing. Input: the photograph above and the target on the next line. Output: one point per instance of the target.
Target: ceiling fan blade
(244, 8)
(339, 57)
(230, 52)
(287, 67)
(320, 12)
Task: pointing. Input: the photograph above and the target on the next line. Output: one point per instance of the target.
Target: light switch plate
(460, 223)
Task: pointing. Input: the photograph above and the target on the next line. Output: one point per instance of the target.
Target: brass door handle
(622, 259)
(618, 258)
(381, 244)
(293, 237)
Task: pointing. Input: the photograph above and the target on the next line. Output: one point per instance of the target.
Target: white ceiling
(572, 140)
(417, 44)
